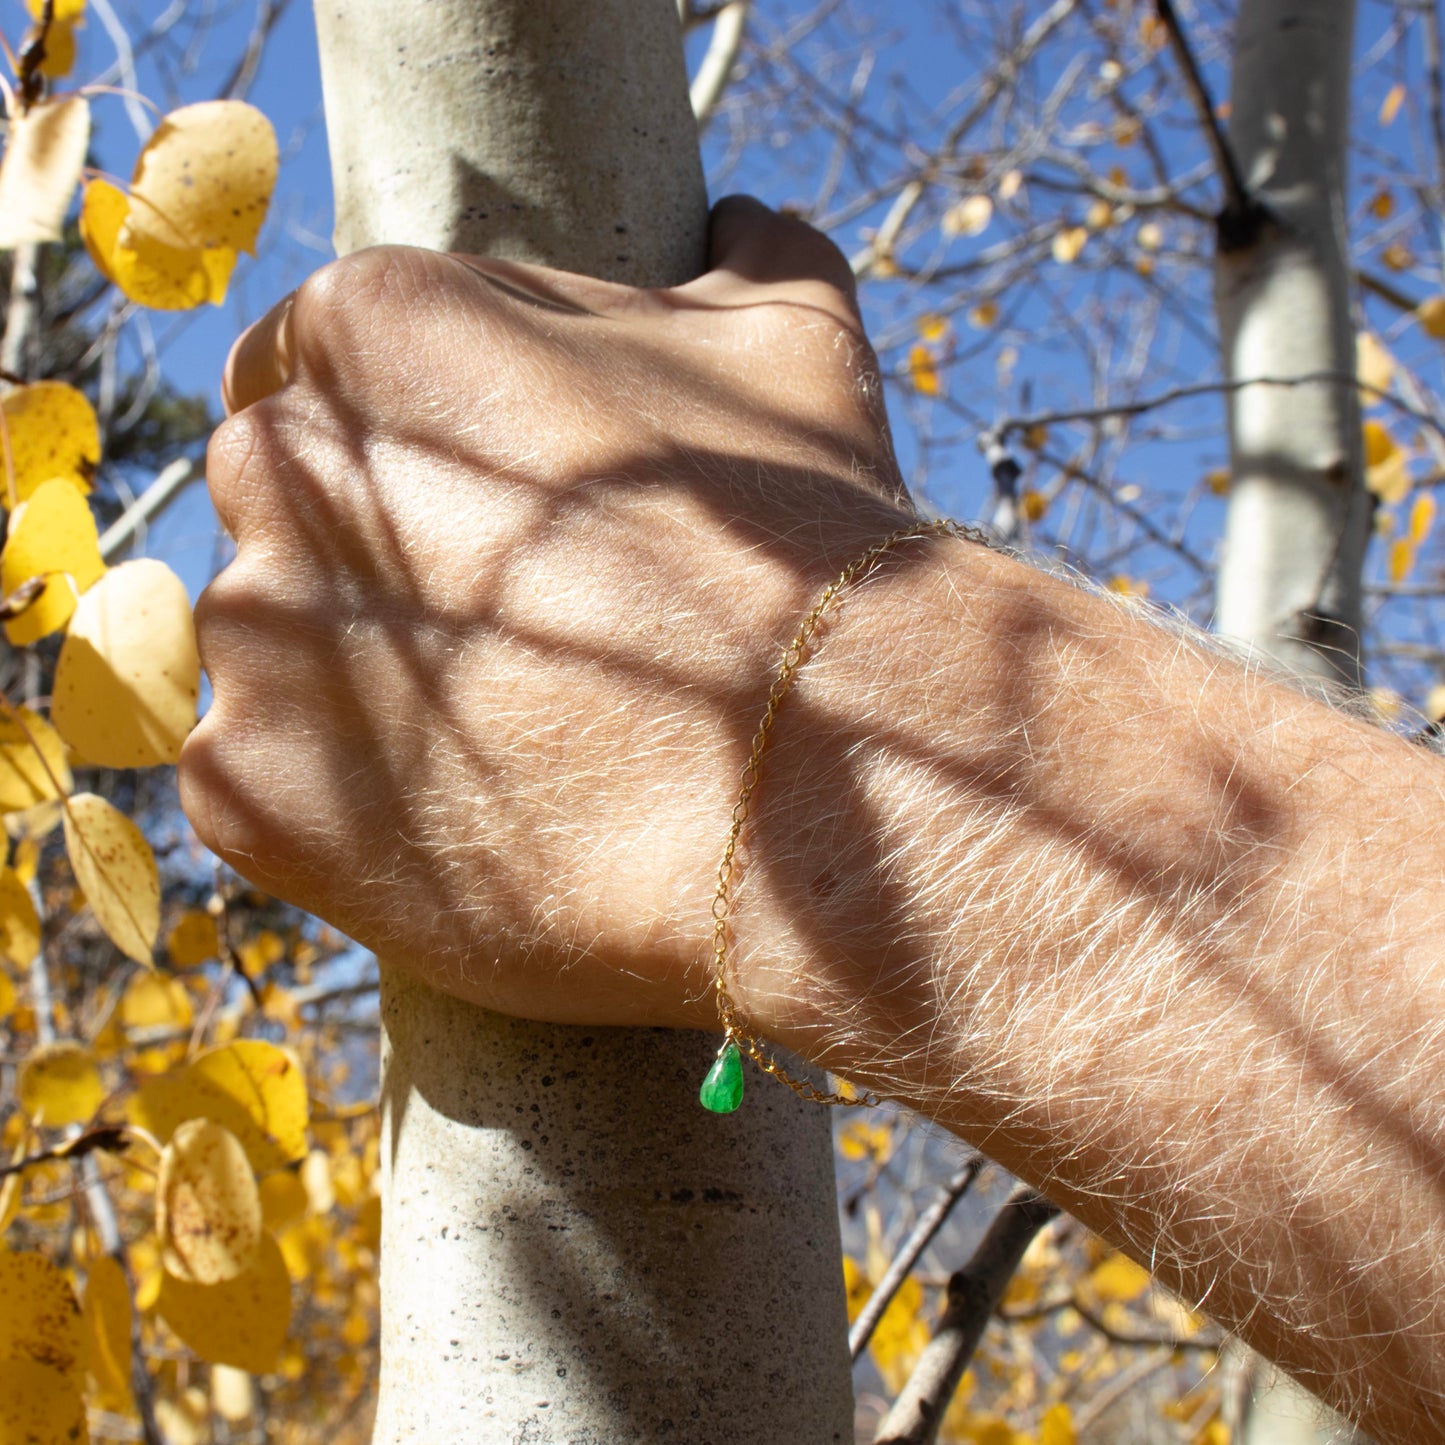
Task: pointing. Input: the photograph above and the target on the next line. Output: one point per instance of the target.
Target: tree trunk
(1299, 515)
(1289, 581)
(573, 1251)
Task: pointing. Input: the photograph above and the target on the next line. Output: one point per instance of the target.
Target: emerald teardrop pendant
(722, 1090)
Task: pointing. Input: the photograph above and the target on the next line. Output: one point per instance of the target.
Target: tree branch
(973, 1294)
(717, 64)
(929, 1223)
(1240, 209)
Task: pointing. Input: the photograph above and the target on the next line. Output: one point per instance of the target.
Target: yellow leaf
(114, 864)
(41, 1319)
(19, 923)
(1057, 1426)
(32, 761)
(1431, 312)
(1033, 504)
(193, 940)
(41, 169)
(1150, 236)
(1390, 106)
(1422, 517)
(368, 1223)
(1215, 1432)
(932, 327)
(1398, 257)
(208, 1209)
(242, 1322)
(923, 371)
(1389, 479)
(1374, 366)
(59, 51)
(59, 1084)
(1382, 205)
(170, 278)
(1379, 445)
(1435, 703)
(283, 1199)
(167, 278)
(52, 535)
(969, 217)
(106, 1322)
(255, 1089)
(316, 1178)
(1402, 558)
(205, 177)
(1068, 243)
(863, 1139)
(103, 211)
(232, 1394)
(982, 316)
(185, 1421)
(40, 1405)
(901, 1335)
(27, 858)
(1010, 184)
(1119, 1278)
(67, 12)
(53, 433)
(153, 1001)
(1035, 438)
(1100, 216)
(128, 676)
(7, 1001)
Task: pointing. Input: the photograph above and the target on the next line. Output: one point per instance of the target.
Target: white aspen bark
(1298, 522)
(574, 1253)
(1299, 515)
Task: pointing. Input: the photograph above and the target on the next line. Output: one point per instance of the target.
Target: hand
(516, 552)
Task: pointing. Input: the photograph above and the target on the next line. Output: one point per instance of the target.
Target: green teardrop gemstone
(722, 1090)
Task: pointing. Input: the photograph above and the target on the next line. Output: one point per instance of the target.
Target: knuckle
(364, 293)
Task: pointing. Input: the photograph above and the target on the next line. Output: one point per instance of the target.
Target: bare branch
(146, 507)
(973, 1294)
(268, 14)
(1240, 207)
(717, 65)
(929, 1223)
(1012, 425)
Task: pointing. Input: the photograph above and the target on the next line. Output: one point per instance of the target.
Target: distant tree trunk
(1299, 515)
(1298, 522)
(573, 1251)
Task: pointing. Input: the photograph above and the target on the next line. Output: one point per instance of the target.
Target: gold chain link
(794, 656)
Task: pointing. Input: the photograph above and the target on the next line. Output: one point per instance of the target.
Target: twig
(155, 499)
(1011, 425)
(973, 1294)
(717, 64)
(929, 1223)
(1241, 210)
(125, 60)
(268, 13)
(110, 1137)
(28, 79)
(999, 78)
(1121, 1385)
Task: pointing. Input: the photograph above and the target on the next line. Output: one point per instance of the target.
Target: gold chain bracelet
(722, 1089)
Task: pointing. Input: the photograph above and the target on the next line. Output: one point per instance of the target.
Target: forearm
(1157, 934)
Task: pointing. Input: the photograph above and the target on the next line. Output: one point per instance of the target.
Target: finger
(261, 360)
(749, 243)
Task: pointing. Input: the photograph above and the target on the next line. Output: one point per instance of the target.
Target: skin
(516, 555)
